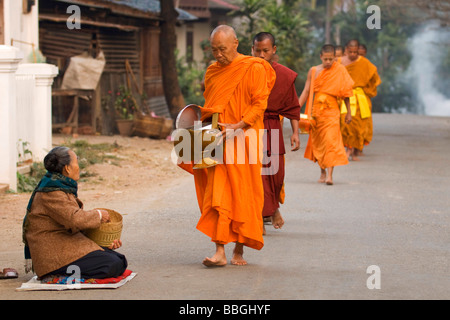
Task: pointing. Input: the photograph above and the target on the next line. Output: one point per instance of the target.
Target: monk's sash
(322, 101)
(358, 98)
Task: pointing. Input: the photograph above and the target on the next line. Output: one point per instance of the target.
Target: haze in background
(429, 48)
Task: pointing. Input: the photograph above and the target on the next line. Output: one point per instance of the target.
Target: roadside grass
(88, 154)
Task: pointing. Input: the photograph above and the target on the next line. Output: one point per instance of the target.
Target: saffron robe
(325, 144)
(230, 195)
(282, 103)
(366, 80)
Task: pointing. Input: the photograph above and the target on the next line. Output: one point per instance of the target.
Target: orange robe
(325, 143)
(231, 195)
(366, 79)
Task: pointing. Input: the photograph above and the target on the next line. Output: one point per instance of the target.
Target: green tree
(287, 21)
(301, 27)
(387, 48)
(289, 25)
(190, 76)
(248, 12)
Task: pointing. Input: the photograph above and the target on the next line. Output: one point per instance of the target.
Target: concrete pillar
(42, 108)
(9, 60)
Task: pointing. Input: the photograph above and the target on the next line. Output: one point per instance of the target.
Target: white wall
(25, 110)
(9, 61)
(20, 26)
(201, 31)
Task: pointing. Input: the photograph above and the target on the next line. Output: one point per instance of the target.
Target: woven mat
(59, 284)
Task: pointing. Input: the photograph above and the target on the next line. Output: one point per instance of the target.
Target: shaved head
(229, 31)
(264, 46)
(339, 51)
(352, 43)
(264, 36)
(224, 44)
(362, 51)
(352, 49)
(328, 48)
(327, 55)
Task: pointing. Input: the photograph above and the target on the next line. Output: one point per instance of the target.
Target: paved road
(390, 210)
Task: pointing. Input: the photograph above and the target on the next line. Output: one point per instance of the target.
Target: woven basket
(107, 232)
(148, 126)
(166, 129)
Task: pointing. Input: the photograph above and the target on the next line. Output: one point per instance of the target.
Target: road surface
(388, 212)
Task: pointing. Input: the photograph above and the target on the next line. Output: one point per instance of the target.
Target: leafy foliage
(299, 29)
(190, 76)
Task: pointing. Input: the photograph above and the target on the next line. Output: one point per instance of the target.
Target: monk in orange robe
(230, 194)
(282, 102)
(327, 82)
(359, 132)
(339, 51)
(362, 50)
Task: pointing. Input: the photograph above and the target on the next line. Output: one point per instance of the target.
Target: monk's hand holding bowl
(229, 130)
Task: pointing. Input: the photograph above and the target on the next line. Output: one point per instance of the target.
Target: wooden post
(168, 42)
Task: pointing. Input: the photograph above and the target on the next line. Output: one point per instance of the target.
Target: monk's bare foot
(219, 259)
(277, 220)
(329, 179)
(349, 153)
(238, 260)
(264, 230)
(356, 154)
(238, 255)
(323, 176)
(212, 262)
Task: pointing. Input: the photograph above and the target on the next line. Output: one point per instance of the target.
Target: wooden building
(193, 33)
(124, 30)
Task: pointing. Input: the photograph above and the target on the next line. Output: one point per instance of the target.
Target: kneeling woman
(52, 228)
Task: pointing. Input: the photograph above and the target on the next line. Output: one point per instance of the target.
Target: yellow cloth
(359, 131)
(359, 98)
